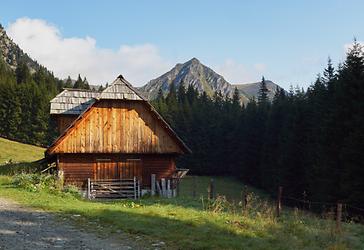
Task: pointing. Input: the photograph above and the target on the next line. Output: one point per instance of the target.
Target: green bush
(35, 182)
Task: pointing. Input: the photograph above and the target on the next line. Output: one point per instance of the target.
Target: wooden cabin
(110, 135)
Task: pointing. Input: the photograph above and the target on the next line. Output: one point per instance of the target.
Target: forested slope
(306, 141)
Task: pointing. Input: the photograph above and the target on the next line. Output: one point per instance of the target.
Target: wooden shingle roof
(72, 101)
(75, 101)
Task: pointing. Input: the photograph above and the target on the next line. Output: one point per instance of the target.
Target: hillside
(19, 152)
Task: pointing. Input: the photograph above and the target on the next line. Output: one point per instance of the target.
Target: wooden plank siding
(117, 126)
(64, 121)
(78, 167)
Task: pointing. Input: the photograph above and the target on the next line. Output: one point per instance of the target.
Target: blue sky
(286, 41)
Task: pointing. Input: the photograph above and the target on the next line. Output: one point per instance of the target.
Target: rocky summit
(204, 79)
(192, 72)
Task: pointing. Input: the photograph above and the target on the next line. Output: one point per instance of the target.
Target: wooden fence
(113, 189)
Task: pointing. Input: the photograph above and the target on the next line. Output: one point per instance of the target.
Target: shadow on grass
(194, 233)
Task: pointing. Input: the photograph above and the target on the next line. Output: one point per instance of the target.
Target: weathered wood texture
(64, 121)
(77, 168)
(117, 126)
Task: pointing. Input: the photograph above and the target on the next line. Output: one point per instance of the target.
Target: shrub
(72, 190)
(35, 182)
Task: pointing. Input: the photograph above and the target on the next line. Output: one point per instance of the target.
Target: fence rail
(113, 189)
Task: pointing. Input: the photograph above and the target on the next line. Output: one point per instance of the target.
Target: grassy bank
(12, 151)
(184, 223)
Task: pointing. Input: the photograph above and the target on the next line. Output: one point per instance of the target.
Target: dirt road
(25, 228)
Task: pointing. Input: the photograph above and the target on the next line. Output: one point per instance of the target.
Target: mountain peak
(192, 72)
(193, 61)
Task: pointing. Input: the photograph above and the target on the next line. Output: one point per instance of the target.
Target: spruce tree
(263, 93)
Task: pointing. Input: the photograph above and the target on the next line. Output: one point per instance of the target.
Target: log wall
(78, 167)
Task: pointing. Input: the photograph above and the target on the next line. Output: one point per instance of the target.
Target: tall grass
(186, 223)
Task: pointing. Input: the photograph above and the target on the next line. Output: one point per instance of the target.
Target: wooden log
(279, 201)
(339, 208)
(152, 183)
(163, 182)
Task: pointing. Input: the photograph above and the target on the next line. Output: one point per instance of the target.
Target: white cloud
(235, 72)
(71, 56)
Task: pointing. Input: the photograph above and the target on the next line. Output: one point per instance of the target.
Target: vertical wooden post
(158, 188)
(338, 216)
(194, 186)
(139, 190)
(135, 190)
(89, 188)
(210, 190)
(163, 181)
(279, 200)
(152, 183)
(169, 192)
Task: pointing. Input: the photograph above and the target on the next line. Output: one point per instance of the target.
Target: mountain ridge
(204, 79)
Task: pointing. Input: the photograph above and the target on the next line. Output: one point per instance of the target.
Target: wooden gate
(124, 188)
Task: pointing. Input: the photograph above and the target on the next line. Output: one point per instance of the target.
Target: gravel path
(25, 228)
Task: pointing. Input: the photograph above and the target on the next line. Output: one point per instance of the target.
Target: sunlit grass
(11, 151)
(185, 223)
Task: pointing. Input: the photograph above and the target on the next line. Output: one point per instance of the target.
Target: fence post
(89, 188)
(169, 192)
(210, 189)
(152, 182)
(338, 216)
(163, 181)
(139, 194)
(135, 189)
(194, 186)
(244, 197)
(279, 200)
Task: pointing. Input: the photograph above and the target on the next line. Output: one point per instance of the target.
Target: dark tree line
(307, 141)
(24, 103)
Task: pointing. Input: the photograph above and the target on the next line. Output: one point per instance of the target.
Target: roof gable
(120, 89)
(117, 126)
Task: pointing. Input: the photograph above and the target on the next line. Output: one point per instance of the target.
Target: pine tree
(263, 93)
(68, 83)
(79, 83)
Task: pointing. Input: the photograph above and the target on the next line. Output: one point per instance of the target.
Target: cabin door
(106, 169)
(129, 168)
